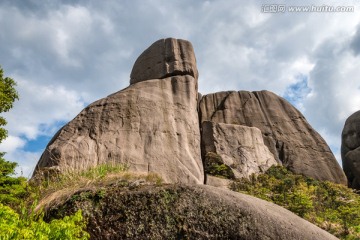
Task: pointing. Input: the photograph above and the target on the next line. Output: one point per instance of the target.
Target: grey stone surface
(241, 148)
(151, 126)
(286, 133)
(350, 150)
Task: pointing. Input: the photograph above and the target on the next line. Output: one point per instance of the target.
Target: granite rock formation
(350, 150)
(287, 134)
(185, 212)
(152, 126)
(241, 148)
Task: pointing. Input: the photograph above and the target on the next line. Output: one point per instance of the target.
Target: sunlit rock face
(151, 126)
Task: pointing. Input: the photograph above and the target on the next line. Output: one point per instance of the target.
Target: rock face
(152, 126)
(350, 150)
(240, 147)
(291, 140)
(185, 212)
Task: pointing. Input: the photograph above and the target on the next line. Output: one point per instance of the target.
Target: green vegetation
(8, 95)
(18, 220)
(31, 226)
(333, 207)
(13, 190)
(215, 166)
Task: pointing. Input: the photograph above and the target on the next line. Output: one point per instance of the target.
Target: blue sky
(67, 54)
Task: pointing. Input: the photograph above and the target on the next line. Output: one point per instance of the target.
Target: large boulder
(165, 58)
(350, 150)
(151, 126)
(285, 131)
(183, 212)
(241, 148)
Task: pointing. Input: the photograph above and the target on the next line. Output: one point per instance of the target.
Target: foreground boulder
(287, 134)
(350, 150)
(184, 212)
(151, 126)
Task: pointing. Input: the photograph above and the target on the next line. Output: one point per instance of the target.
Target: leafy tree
(12, 190)
(8, 95)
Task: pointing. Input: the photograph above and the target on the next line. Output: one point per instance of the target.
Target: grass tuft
(60, 187)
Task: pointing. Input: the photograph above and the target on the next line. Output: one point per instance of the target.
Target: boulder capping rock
(165, 58)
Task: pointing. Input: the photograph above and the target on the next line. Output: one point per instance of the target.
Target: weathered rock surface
(350, 150)
(286, 133)
(151, 126)
(185, 212)
(165, 58)
(240, 147)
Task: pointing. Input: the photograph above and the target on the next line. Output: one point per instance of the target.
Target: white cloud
(11, 144)
(40, 107)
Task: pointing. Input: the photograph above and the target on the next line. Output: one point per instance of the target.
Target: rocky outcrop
(152, 126)
(350, 150)
(184, 212)
(241, 148)
(287, 134)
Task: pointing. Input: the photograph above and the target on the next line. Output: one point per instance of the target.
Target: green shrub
(214, 165)
(13, 190)
(333, 207)
(14, 226)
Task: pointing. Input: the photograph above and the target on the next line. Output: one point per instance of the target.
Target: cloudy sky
(67, 54)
